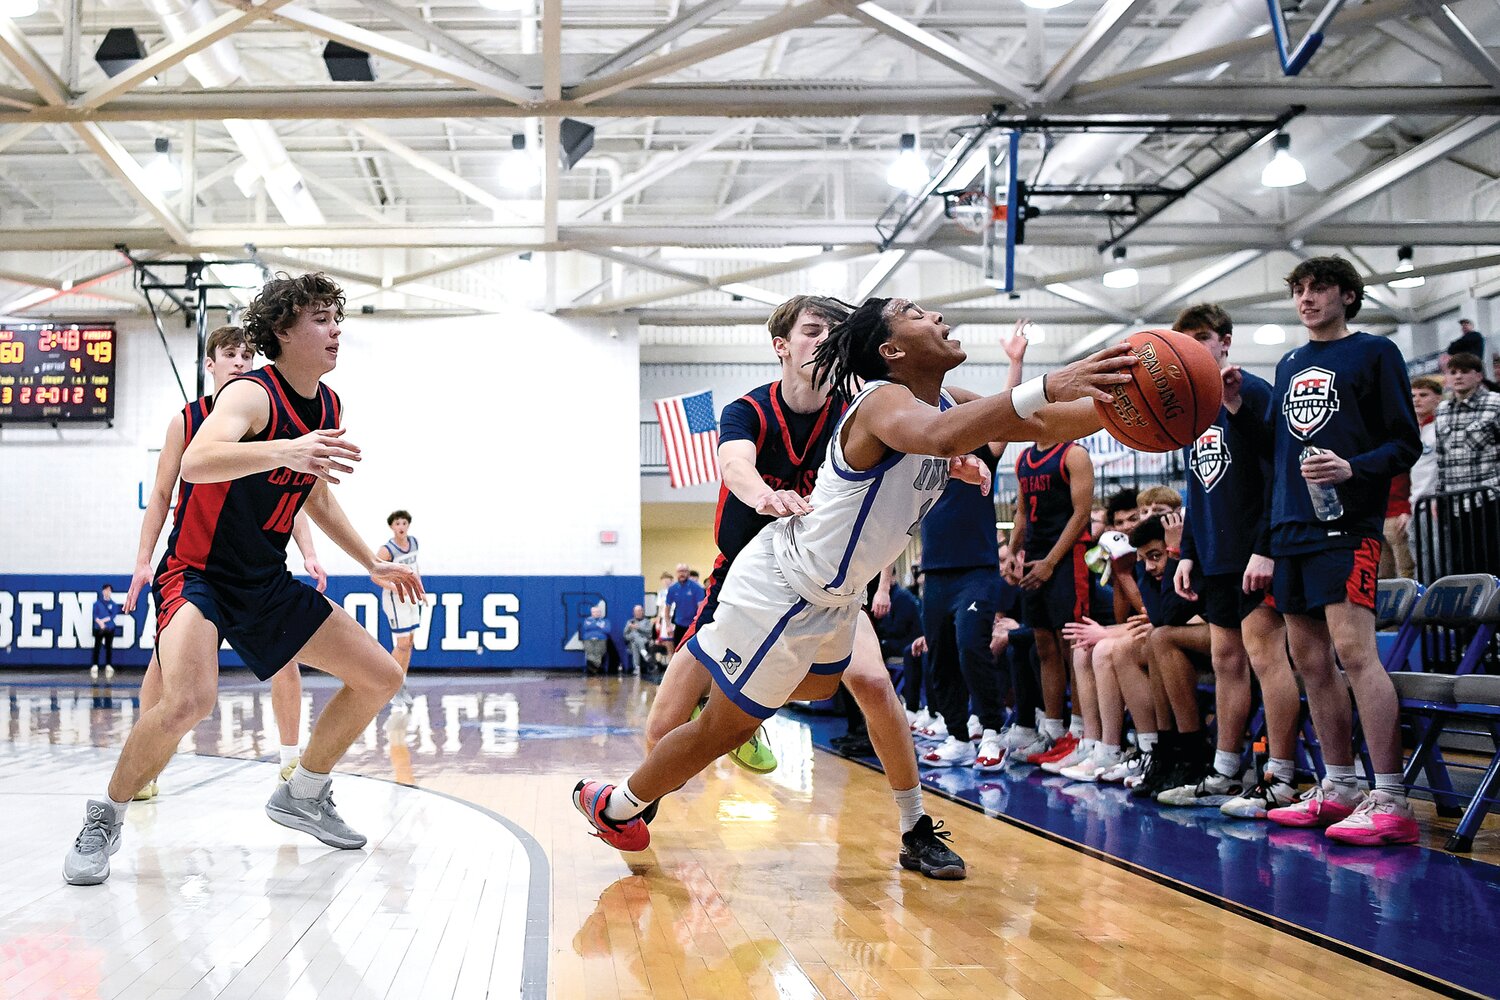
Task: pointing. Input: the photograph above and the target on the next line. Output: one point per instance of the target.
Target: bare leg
(1169, 647)
(151, 685)
(402, 652)
(342, 648)
(684, 684)
(1327, 696)
(1107, 687)
(1140, 697)
(1231, 687)
(189, 656)
(1084, 694)
(1265, 641)
(873, 691)
(1353, 630)
(687, 749)
(1049, 651)
(286, 703)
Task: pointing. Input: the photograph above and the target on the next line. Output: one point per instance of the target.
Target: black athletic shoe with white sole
(925, 849)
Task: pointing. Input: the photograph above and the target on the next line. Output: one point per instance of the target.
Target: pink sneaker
(1380, 819)
(590, 798)
(1322, 805)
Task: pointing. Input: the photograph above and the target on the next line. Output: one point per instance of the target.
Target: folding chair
(1458, 617)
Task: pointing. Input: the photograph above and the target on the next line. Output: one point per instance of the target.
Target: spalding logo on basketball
(1173, 397)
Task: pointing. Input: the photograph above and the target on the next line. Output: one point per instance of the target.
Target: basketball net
(973, 210)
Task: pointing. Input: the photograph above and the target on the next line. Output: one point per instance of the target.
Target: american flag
(691, 436)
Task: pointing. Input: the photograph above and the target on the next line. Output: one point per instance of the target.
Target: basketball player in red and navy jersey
(771, 442)
(272, 444)
(227, 353)
(1346, 394)
(1055, 498)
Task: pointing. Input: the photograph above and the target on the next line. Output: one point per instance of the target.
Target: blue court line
(1425, 916)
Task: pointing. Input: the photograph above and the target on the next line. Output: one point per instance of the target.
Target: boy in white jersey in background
(402, 617)
(785, 625)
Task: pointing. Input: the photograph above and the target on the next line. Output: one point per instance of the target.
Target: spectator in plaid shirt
(1468, 450)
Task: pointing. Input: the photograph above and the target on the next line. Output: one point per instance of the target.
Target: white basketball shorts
(765, 638)
(402, 617)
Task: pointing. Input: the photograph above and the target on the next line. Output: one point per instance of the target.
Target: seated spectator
(593, 632)
(639, 639)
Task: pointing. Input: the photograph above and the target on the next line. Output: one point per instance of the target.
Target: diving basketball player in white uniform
(785, 626)
(403, 618)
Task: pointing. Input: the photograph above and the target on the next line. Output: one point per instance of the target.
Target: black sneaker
(925, 849)
(853, 746)
(1159, 763)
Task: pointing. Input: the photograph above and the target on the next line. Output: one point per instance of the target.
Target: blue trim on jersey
(765, 647)
(751, 708)
(859, 522)
(853, 476)
(403, 631)
(391, 544)
(829, 669)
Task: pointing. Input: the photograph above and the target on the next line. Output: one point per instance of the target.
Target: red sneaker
(1381, 819)
(590, 798)
(1059, 750)
(1320, 806)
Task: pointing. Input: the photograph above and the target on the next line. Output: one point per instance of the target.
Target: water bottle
(1325, 499)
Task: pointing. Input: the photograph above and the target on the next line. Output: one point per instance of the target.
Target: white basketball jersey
(407, 558)
(860, 522)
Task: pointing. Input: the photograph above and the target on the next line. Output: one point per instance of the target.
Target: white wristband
(1028, 397)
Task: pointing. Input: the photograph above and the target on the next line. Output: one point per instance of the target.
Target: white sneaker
(991, 755)
(94, 672)
(1098, 762)
(1130, 766)
(1016, 737)
(1078, 756)
(919, 720)
(911, 718)
(1037, 745)
(935, 731)
(952, 753)
(976, 731)
(109, 672)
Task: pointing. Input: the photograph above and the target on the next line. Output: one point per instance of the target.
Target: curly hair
(852, 349)
(1331, 271)
(276, 307)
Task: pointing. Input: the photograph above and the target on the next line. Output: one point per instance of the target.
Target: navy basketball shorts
(266, 624)
(1306, 583)
(1225, 602)
(1062, 599)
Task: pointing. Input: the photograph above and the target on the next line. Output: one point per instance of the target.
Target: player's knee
(381, 677)
(867, 686)
(183, 709)
(1231, 665)
(404, 642)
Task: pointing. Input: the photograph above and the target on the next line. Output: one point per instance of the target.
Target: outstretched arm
(302, 534)
(219, 452)
(326, 513)
(168, 464)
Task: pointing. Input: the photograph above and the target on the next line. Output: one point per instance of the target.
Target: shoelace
(938, 833)
(95, 833)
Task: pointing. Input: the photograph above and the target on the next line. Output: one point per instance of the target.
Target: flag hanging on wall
(690, 433)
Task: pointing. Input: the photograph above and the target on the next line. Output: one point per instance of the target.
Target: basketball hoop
(973, 210)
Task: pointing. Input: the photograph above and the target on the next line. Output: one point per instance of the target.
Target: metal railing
(653, 451)
(1457, 533)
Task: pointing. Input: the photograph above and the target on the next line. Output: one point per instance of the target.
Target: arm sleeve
(1395, 421)
(739, 422)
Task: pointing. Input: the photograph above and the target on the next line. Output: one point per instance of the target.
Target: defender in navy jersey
(227, 354)
(1345, 393)
(1053, 503)
(1226, 538)
(271, 444)
(788, 618)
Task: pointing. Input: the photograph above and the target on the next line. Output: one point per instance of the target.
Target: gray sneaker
(88, 862)
(315, 816)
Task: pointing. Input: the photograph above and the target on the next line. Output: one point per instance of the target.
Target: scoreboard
(53, 373)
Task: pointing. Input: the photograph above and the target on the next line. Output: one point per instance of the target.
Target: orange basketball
(1174, 397)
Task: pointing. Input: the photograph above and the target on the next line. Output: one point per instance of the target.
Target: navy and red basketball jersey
(237, 532)
(789, 447)
(1047, 495)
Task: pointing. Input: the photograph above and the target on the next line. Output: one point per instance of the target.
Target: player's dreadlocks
(852, 349)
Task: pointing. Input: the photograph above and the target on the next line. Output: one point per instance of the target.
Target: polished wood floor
(784, 886)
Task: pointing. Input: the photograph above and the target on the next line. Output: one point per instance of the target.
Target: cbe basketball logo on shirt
(731, 663)
(1211, 458)
(1310, 401)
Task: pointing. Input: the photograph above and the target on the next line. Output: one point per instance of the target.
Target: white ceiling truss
(740, 151)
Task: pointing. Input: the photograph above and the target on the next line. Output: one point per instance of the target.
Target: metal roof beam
(1463, 39)
(733, 282)
(1112, 18)
(664, 166)
(661, 37)
(940, 50)
(436, 37)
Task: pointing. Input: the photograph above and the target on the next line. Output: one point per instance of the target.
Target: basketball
(1174, 396)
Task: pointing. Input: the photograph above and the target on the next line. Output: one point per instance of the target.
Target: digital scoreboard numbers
(57, 373)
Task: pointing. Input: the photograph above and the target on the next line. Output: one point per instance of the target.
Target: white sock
(1109, 750)
(120, 807)
(1145, 741)
(1086, 747)
(290, 754)
(1283, 770)
(1052, 729)
(1075, 726)
(1343, 775)
(305, 784)
(1227, 763)
(1391, 785)
(624, 804)
(909, 801)
(1025, 732)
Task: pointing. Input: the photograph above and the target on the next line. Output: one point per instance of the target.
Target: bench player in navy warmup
(1341, 422)
(272, 444)
(789, 608)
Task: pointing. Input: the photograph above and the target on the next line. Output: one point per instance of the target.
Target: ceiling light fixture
(1404, 264)
(519, 170)
(18, 8)
(1284, 170)
(1269, 335)
(1121, 276)
(908, 172)
(161, 172)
